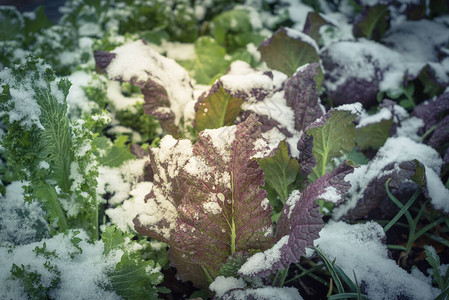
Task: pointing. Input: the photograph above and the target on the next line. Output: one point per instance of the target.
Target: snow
(354, 108)
(397, 149)
(20, 222)
(137, 61)
(222, 139)
(223, 284)
(120, 102)
(299, 35)
(232, 288)
(330, 194)
(123, 215)
(263, 260)
(77, 99)
(359, 248)
(80, 278)
(275, 107)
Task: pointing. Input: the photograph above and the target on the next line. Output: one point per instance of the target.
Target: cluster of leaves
(237, 180)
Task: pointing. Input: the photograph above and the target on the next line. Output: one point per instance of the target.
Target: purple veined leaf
(432, 111)
(301, 94)
(165, 84)
(218, 207)
(375, 196)
(299, 224)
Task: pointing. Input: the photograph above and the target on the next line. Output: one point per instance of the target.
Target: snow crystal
(212, 207)
(223, 284)
(355, 108)
(275, 107)
(437, 191)
(263, 260)
(330, 194)
(222, 139)
(359, 248)
(140, 62)
(383, 114)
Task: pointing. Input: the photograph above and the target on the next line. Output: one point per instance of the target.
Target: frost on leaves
(165, 84)
(216, 200)
(299, 224)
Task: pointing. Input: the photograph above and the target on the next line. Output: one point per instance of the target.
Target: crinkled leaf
(333, 134)
(299, 224)
(209, 62)
(288, 49)
(113, 238)
(440, 137)
(372, 23)
(134, 278)
(220, 207)
(432, 111)
(301, 94)
(165, 84)
(373, 135)
(313, 24)
(375, 196)
(216, 109)
(116, 154)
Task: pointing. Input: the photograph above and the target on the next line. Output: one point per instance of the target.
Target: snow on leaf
(302, 96)
(313, 24)
(165, 84)
(373, 135)
(375, 196)
(287, 49)
(299, 224)
(333, 134)
(205, 230)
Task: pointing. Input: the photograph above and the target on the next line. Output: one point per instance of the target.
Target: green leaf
(217, 109)
(11, 23)
(117, 153)
(113, 238)
(134, 278)
(313, 24)
(373, 22)
(332, 135)
(40, 21)
(209, 62)
(286, 54)
(373, 135)
(281, 172)
(434, 260)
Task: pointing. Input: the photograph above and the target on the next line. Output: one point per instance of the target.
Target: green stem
(233, 235)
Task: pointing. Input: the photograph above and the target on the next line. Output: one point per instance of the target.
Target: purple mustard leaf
(165, 84)
(299, 224)
(213, 197)
(301, 95)
(432, 111)
(375, 199)
(307, 160)
(440, 135)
